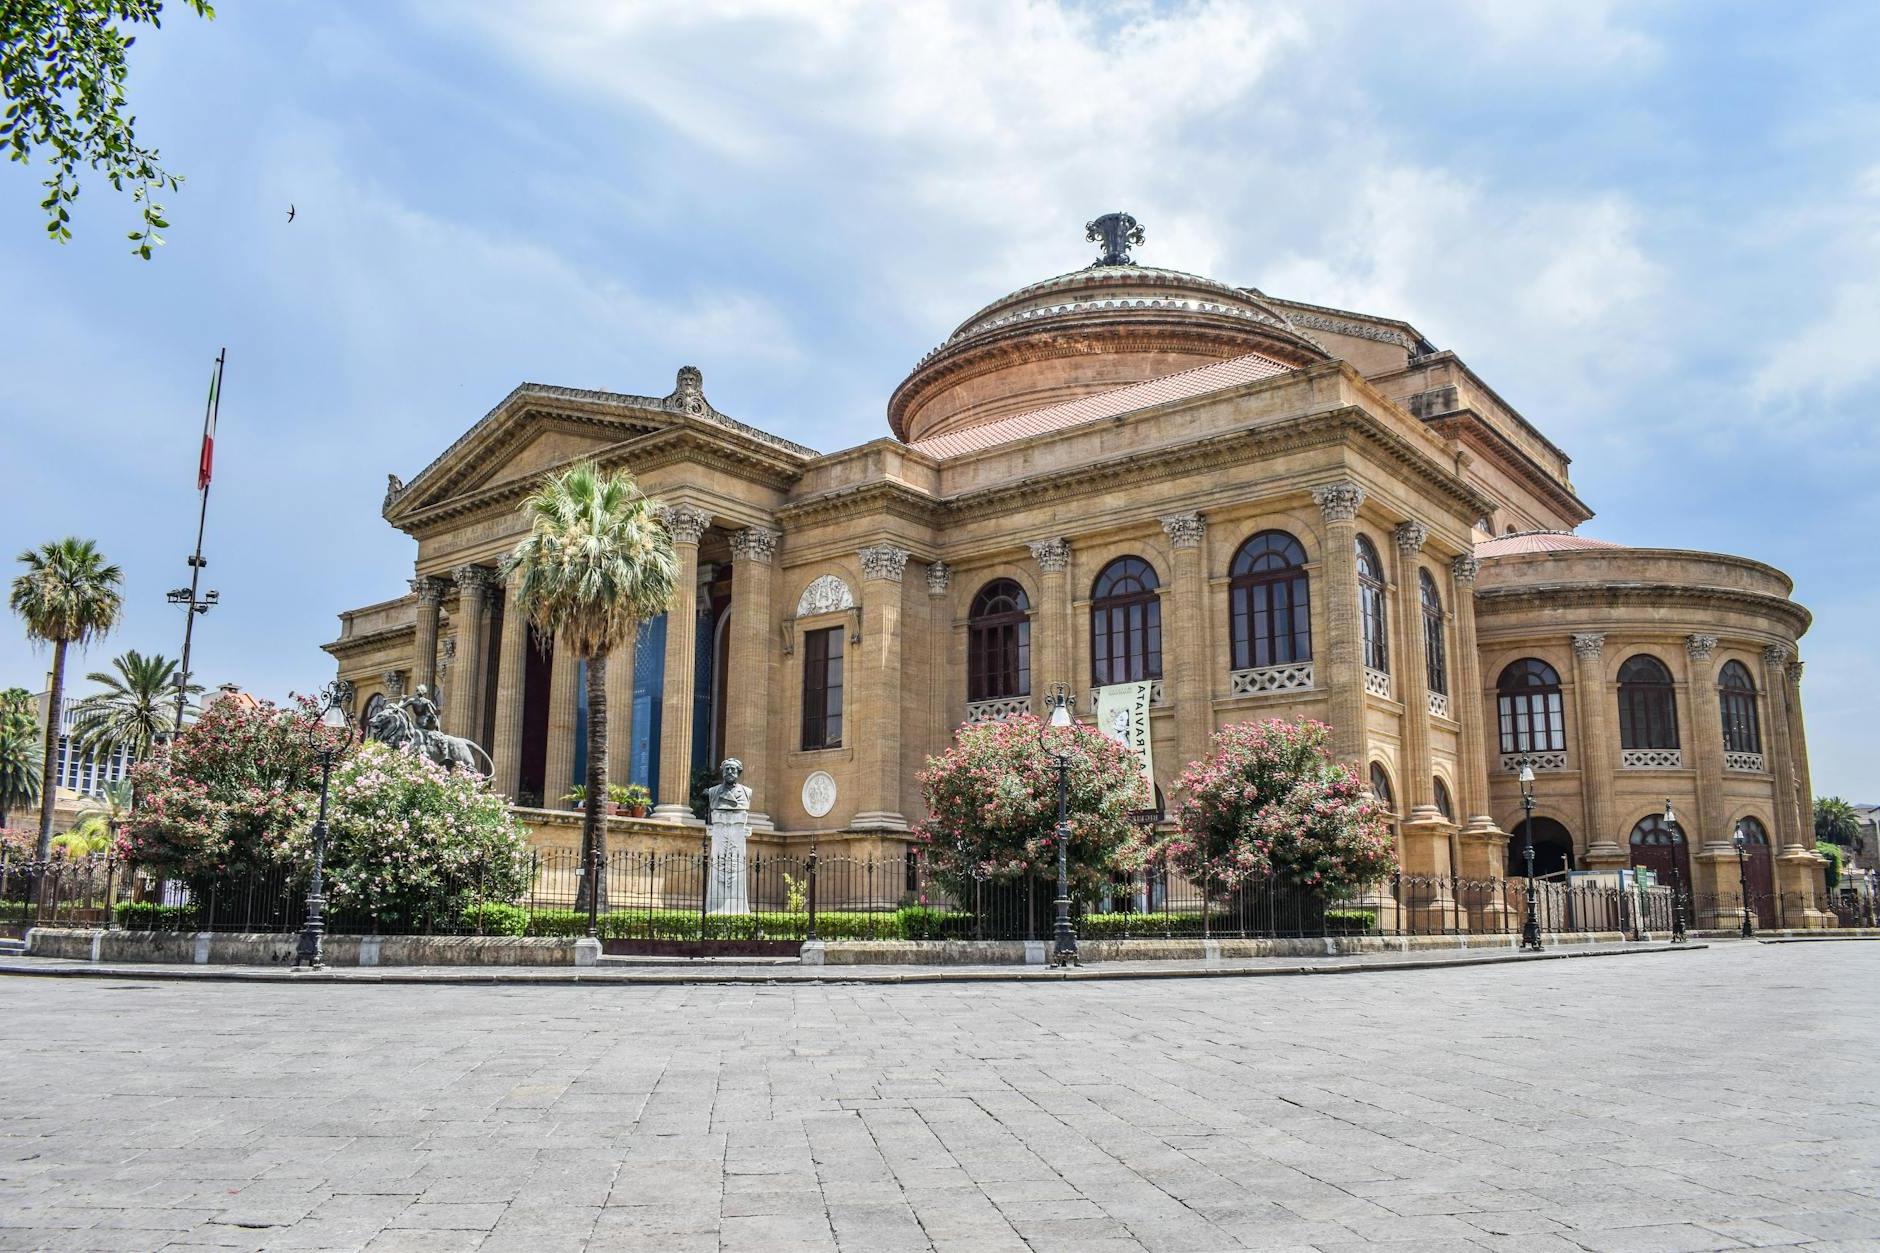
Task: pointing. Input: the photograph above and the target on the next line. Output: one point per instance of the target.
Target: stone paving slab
(1726, 1100)
(731, 971)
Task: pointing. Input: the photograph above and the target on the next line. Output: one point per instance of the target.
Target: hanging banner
(1123, 715)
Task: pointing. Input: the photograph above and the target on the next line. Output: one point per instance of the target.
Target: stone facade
(1120, 411)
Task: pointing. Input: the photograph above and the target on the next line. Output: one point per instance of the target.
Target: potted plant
(630, 799)
(575, 797)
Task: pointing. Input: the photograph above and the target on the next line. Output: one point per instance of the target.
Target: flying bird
(290, 212)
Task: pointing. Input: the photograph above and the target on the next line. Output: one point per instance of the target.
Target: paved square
(1647, 1104)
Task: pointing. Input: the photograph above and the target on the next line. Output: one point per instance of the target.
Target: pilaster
(748, 687)
(1706, 745)
(941, 707)
(1595, 710)
(1051, 641)
(687, 526)
(1413, 679)
(463, 711)
(1466, 683)
(877, 709)
(1344, 672)
(1194, 712)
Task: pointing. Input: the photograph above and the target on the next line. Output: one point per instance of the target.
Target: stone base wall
(1037, 952)
(233, 949)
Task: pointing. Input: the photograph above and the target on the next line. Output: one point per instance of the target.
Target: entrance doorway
(1553, 849)
(1654, 848)
(1761, 871)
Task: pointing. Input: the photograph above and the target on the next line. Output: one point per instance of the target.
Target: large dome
(1089, 331)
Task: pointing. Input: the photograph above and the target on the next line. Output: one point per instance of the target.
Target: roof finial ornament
(1117, 232)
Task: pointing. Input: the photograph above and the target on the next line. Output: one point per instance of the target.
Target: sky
(1654, 227)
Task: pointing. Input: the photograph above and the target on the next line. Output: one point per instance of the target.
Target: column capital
(1700, 647)
(430, 589)
(939, 578)
(1777, 654)
(685, 523)
(884, 561)
(1588, 645)
(1052, 555)
(755, 543)
(1184, 530)
(474, 580)
(1795, 670)
(394, 681)
(1465, 568)
(1338, 501)
(1410, 537)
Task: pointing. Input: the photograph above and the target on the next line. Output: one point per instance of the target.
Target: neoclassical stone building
(1263, 507)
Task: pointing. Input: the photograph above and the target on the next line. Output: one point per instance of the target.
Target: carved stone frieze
(1185, 530)
(1052, 555)
(884, 561)
(1338, 501)
(826, 593)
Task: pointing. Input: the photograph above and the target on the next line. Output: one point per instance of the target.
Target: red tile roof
(1198, 381)
(1539, 542)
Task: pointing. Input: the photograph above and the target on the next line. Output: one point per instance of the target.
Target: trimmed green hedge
(683, 924)
(150, 916)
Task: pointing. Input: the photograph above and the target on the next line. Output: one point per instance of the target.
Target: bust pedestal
(726, 883)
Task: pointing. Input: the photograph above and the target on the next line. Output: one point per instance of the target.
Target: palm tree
(595, 564)
(135, 710)
(1835, 821)
(99, 821)
(68, 595)
(20, 752)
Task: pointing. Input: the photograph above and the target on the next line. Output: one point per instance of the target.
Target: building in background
(1262, 508)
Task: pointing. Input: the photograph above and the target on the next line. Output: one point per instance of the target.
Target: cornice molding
(1482, 438)
(1492, 602)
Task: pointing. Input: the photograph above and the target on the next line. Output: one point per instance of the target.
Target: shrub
(491, 918)
(993, 801)
(412, 844)
(151, 916)
(913, 923)
(1269, 801)
(228, 797)
(1836, 859)
(1349, 921)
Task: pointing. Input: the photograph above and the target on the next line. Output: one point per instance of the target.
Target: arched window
(1371, 607)
(1380, 787)
(1648, 708)
(1435, 654)
(1269, 616)
(1528, 699)
(1753, 832)
(1125, 624)
(998, 643)
(1444, 805)
(1736, 697)
(375, 705)
(1651, 831)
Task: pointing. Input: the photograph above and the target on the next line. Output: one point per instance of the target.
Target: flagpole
(195, 604)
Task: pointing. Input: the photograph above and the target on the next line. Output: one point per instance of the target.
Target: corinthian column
(1798, 752)
(564, 698)
(748, 686)
(1466, 683)
(942, 709)
(1051, 645)
(1342, 672)
(877, 703)
(1706, 746)
(1594, 706)
(687, 526)
(463, 712)
(512, 662)
(1413, 677)
(1187, 532)
(430, 592)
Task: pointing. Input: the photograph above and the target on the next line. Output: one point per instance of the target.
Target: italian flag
(206, 463)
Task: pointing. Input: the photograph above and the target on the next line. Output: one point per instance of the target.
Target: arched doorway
(1654, 848)
(1553, 849)
(1759, 869)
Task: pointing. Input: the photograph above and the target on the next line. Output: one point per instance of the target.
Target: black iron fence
(691, 897)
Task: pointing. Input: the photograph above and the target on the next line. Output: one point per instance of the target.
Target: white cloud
(1837, 350)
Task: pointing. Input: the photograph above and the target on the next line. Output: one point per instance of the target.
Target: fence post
(704, 880)
(1207, 905)
(812, 887)
(110, 884)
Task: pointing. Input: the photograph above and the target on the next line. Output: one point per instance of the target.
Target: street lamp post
(1064, 940)
(1742, 877)
(1531, 924)
(1677, 875)
(332, 738)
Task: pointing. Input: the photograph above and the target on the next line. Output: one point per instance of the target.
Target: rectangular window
(822, 688)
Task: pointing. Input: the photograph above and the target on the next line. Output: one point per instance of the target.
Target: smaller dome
(1539, 542)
